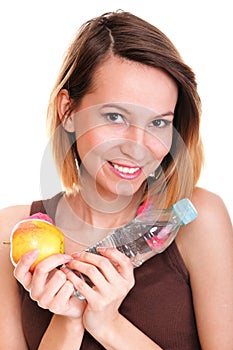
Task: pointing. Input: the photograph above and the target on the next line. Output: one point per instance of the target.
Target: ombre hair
(125, 35)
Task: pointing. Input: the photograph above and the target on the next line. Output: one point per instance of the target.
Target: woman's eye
(114, 117)
(160, 123)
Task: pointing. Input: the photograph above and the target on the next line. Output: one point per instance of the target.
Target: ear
(63, 106)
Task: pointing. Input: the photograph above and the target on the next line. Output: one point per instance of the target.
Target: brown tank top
(160, 304)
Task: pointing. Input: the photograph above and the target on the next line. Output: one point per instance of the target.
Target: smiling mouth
(125, 171)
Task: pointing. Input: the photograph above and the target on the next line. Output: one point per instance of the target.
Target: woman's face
(124, 126)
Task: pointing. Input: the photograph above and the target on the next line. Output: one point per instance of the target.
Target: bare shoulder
(209, 204)
(211, 231)
(206, 245)
(9, 216)
(9, 288)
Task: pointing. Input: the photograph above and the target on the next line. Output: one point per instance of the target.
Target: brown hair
(130, 37)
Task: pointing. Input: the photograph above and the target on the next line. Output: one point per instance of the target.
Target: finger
(21, 271)
(58, 303)
(51, 262)
(88, 271)
(96, 267)
(74, 277)
(65, 302)
(105, 276)
(82, 284)
(119, 260)
(71, 275)
(42, 272)
(44, 293)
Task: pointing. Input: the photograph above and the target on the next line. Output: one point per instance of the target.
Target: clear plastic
(150, 233)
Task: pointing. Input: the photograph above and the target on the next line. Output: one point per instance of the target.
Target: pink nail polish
(102, 249)
(76, 254)
(67, 257)
(33, 253)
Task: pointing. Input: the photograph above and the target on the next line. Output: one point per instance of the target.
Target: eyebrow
(165, 114)
(116, 105)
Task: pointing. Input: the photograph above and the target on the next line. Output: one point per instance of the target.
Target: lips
(125, 172)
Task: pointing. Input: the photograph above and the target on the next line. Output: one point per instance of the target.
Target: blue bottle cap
(185, 211)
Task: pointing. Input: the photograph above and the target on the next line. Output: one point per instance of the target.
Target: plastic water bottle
(150, 233)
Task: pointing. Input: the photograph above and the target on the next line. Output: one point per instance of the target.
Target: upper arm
(11, 335)
(207, 248)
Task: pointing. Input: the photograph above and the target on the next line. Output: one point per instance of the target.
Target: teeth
(125, 170)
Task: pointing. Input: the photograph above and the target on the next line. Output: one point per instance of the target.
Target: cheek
(160, 146)
(90, 143)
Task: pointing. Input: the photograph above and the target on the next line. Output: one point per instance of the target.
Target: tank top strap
(176, 262)
(46, 206)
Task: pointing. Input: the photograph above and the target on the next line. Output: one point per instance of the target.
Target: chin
(126, 188)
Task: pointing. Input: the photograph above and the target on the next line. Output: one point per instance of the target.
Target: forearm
(123, 335)
(62, 333)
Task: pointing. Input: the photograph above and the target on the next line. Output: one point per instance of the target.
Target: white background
(34, 36)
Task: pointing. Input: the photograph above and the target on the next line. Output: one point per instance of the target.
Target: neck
(86, 225)
(103, 208)
(104, 214)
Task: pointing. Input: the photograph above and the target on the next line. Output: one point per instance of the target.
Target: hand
(48, 285)
(112, 276)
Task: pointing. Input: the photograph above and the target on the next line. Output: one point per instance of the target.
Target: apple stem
(6, 242)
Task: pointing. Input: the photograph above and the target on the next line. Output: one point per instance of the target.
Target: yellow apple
(38, 234)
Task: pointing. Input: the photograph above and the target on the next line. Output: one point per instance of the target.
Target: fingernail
(33, 253)
(67, 257)
(76, 254)
(101, 249)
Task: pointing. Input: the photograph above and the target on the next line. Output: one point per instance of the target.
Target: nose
(133, 145)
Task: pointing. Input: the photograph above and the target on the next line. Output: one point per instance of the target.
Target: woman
(124, 119)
